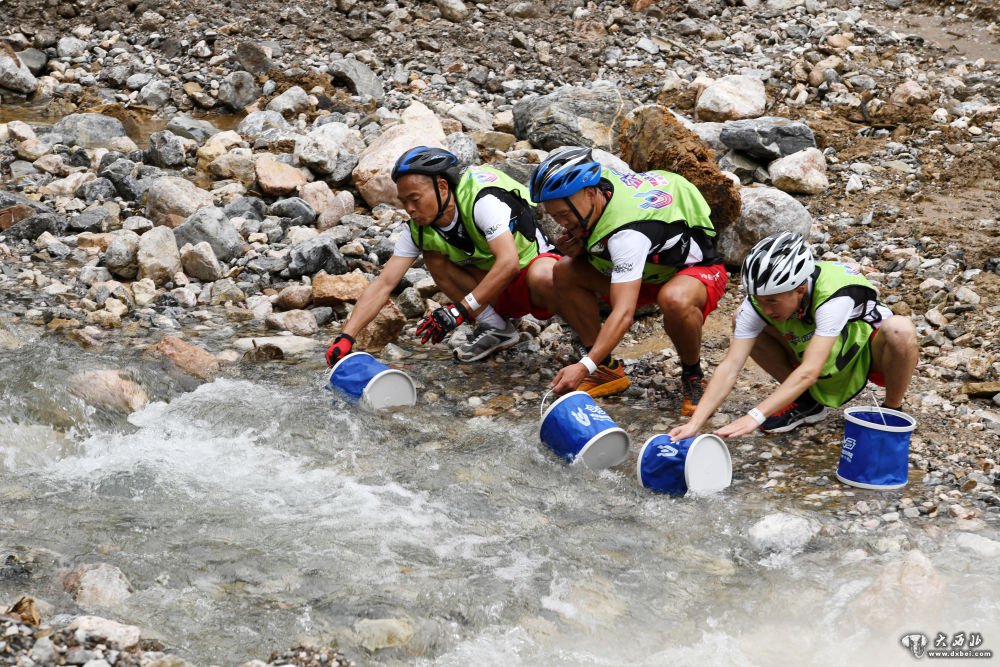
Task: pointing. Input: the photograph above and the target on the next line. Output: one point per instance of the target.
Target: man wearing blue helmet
(477, 233)
(634, 239)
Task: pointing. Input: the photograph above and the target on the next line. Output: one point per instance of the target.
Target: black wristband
(344, 335)
(462, 311)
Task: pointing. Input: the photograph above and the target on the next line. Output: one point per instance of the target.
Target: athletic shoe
(607, 380)
(692, 388)
(485, 340)
(803, 410)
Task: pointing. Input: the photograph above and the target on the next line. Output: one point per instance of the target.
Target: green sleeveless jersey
(474, 183)
(845, 372)
(648, 202)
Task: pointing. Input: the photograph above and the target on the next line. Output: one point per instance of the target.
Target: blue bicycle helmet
(427, 161)
(564, 174)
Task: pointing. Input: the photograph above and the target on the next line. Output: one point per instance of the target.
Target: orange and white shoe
(607, 380)
(692, 388)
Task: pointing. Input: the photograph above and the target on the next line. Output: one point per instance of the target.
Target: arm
(376, 294)
(719, 387)
(623, 299)
(799, 380)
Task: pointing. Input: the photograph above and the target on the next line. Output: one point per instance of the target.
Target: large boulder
(158, 256)
(570, 115)
(382, 330)
(14, 74)
(732, 97)
(767, 138)
(766, 211)
(420, 127)
(122, 254)
(210, 225)
(358, 77)
(186, 357)
(314, 255)
(170, 200)
(89, 130)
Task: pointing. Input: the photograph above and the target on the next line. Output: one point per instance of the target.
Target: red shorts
(714, 278)
(515, 300)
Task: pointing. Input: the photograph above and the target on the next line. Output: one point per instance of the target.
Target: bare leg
(895, 352)
(454, 280)
(576, 281)
(772, 354)
(682, 299)
(541, 283)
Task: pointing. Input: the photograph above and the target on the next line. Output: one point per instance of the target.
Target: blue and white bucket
(577, 429)
(699, 465)
(876, 450)
(376, 386)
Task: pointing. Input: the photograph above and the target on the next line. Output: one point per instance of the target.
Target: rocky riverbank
(242, 228)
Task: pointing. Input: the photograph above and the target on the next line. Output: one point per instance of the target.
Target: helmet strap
(437, 194)
(584, 221)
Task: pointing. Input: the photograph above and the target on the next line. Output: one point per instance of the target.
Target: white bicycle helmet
(777, 264)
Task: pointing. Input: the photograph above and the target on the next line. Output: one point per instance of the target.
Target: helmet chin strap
(437, 194)
(584, 221)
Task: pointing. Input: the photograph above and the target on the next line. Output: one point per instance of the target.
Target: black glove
(437, 325)
(341, 347)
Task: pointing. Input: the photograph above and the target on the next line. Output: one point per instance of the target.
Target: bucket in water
(363, 378)
(700, 465)
(876, 450)
(577, 429)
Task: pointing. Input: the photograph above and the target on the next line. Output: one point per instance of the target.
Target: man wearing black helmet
(479, 240)
(819, 329)
(634, 239)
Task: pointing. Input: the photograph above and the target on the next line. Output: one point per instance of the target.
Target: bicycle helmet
(564, 174)
(777, 264)
(427, 161)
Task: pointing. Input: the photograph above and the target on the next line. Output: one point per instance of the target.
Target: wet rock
(189, 358)
(122, 254)
(109, 389)
(570, 116)
(908, 587)
(384, 329)
(170, 200)
(802, 172)
(192, 128)
(125, 636)
(299, 322)
(379, 633)
(766, 211)
(199, 261)
(767, 138)
(226, 291)
(100, 586)
(210, 225)
(731, 98)
(89, 130)
(14, 74)
(331, 149)
(979, 545)
(158, 256)
(335, 290)
(290, 346)
(782, 533)
(358, 77)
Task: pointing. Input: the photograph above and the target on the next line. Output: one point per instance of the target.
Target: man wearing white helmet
(818, 329)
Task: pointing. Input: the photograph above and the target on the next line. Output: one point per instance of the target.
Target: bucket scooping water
(700, 465)
(363, 378)
(876, 449)
(576, 428)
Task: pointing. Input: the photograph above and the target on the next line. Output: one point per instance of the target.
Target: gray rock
(313, 255)
(166, 149)
(294, 208)
(410, 303)
(137, 224)
(158, 256)
(464, 147)
(97, 189)
(71, 47)
(253, 58)
(34, 60)
(251, 208)
(90, 274)
(14, 74)
(199, 261)
(570, 116)
(291, 102)
(138, 80)
(766, 211)
(258, 122)
(192, 128)
(96, 219)
(453, 10)
(331, 149)
(154, 94)
(767, 138)
(238, 91)
(89, 130)
(210, 224)
(357, 76)
(122, 254)
(31, 228)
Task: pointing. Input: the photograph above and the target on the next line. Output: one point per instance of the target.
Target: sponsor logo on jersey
(655, 199)
(653, 178)
(630, 179)
(623, 267)
(484, 176)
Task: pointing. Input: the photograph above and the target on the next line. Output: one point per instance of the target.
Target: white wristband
(589, 363)
(758, 416)
(471, 302)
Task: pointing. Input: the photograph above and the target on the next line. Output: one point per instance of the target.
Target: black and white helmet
(777, 264)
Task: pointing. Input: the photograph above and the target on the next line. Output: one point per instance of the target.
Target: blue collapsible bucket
(876, 450)
(577, 429)
(363, 378)
(699, 465)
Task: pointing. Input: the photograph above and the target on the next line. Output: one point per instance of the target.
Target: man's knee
(676, 299)
(900, 334)
(563, 273)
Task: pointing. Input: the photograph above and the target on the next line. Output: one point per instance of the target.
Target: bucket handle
(877, 406)
(541, 409)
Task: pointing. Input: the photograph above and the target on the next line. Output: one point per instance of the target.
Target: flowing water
(255, 512)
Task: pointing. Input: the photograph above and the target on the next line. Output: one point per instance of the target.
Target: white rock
(379, 633)
(979, 545)
(801, 172)
(782, 532)
(854, 184)
(731, 98)
(290, 345)
(126, 636)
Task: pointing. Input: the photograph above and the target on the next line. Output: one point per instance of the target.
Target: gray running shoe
(485, 340)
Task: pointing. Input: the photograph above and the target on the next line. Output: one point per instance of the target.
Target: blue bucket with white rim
(577, 429)
(361, 377)
(876, 449)
(699, 465)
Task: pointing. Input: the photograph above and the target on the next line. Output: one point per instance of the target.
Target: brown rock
(384, 329)
(650, 137)
(108, 389)
(92, 240)
(277, 178)
(981, 389)
(189, 358)
(25, 610)
(294, 297)
(330, 290)
(502, 141)
(14, 214)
